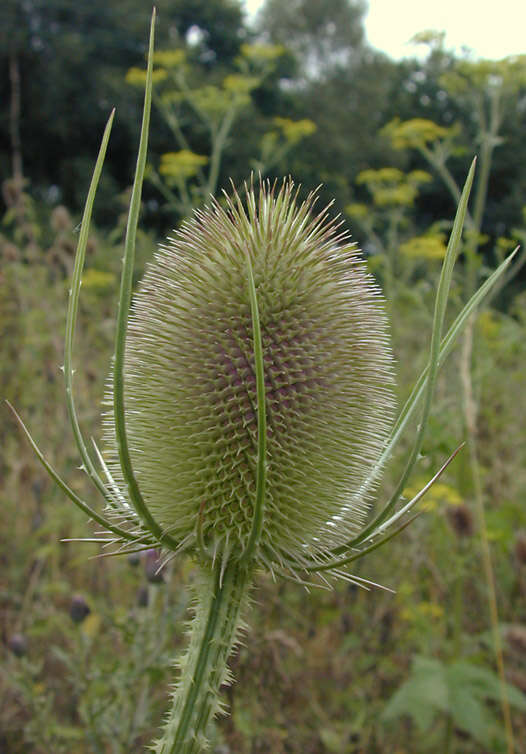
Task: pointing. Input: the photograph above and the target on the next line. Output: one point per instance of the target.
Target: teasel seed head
(79, 609)
(190, 384)
(516, 637)
(520, 547)
(460, 519)
(17, 643)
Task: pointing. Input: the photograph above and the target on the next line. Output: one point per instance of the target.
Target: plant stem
(14, 120)
(489, 141)
(470, 414)
(221, 596)
(448, 736)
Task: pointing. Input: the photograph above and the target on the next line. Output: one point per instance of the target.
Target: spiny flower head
(190, 384)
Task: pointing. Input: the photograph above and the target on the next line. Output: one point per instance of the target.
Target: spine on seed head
(190, 385)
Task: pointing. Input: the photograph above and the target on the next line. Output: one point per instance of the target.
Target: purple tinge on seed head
(190, 385)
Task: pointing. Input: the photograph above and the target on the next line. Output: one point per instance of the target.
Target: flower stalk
(221, 597)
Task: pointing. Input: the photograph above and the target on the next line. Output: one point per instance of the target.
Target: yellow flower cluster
(295, 130)
(431, 247)
(183, 164)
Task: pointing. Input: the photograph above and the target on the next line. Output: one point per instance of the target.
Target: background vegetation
(87, 641)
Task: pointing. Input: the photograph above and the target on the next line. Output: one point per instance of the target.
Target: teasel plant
(250, 410)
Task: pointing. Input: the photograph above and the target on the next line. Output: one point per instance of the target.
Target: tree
(321, 34)
(450, 108)
(71, 60)
(337, 82)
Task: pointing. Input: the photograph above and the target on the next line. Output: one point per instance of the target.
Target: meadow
(88, 639)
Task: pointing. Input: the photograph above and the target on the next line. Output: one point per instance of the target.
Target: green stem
(448, 736)
(470, 409)
(218, 144)
(221, 596)
(458, 612)
(470, 417)
(438, 163)
(489, 142)
(458, 607)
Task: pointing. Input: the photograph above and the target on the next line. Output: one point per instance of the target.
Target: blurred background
(332, 93)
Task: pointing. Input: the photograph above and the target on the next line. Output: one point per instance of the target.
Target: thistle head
(190, 379)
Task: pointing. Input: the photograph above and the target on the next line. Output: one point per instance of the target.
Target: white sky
(491, 28)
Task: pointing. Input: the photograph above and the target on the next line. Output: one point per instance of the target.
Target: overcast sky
(491, 29)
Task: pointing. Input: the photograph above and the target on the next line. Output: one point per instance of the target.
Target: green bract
(190, 379)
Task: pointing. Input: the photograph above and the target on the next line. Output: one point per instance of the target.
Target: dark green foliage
(72, 59)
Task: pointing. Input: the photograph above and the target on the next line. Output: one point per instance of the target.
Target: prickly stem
(221, 595)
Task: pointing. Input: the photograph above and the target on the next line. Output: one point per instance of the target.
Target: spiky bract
(190, 385)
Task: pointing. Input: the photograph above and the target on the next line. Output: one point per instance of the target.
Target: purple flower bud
(143, 597)
(152, 567)
(134, 558)
(79, 609)
(17, 644)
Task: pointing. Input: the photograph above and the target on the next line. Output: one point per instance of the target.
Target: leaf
(422, 696)
(471, 714)
(69, 733)
(333, 740)
(483, 683)
(461, 690)
(243, 721)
